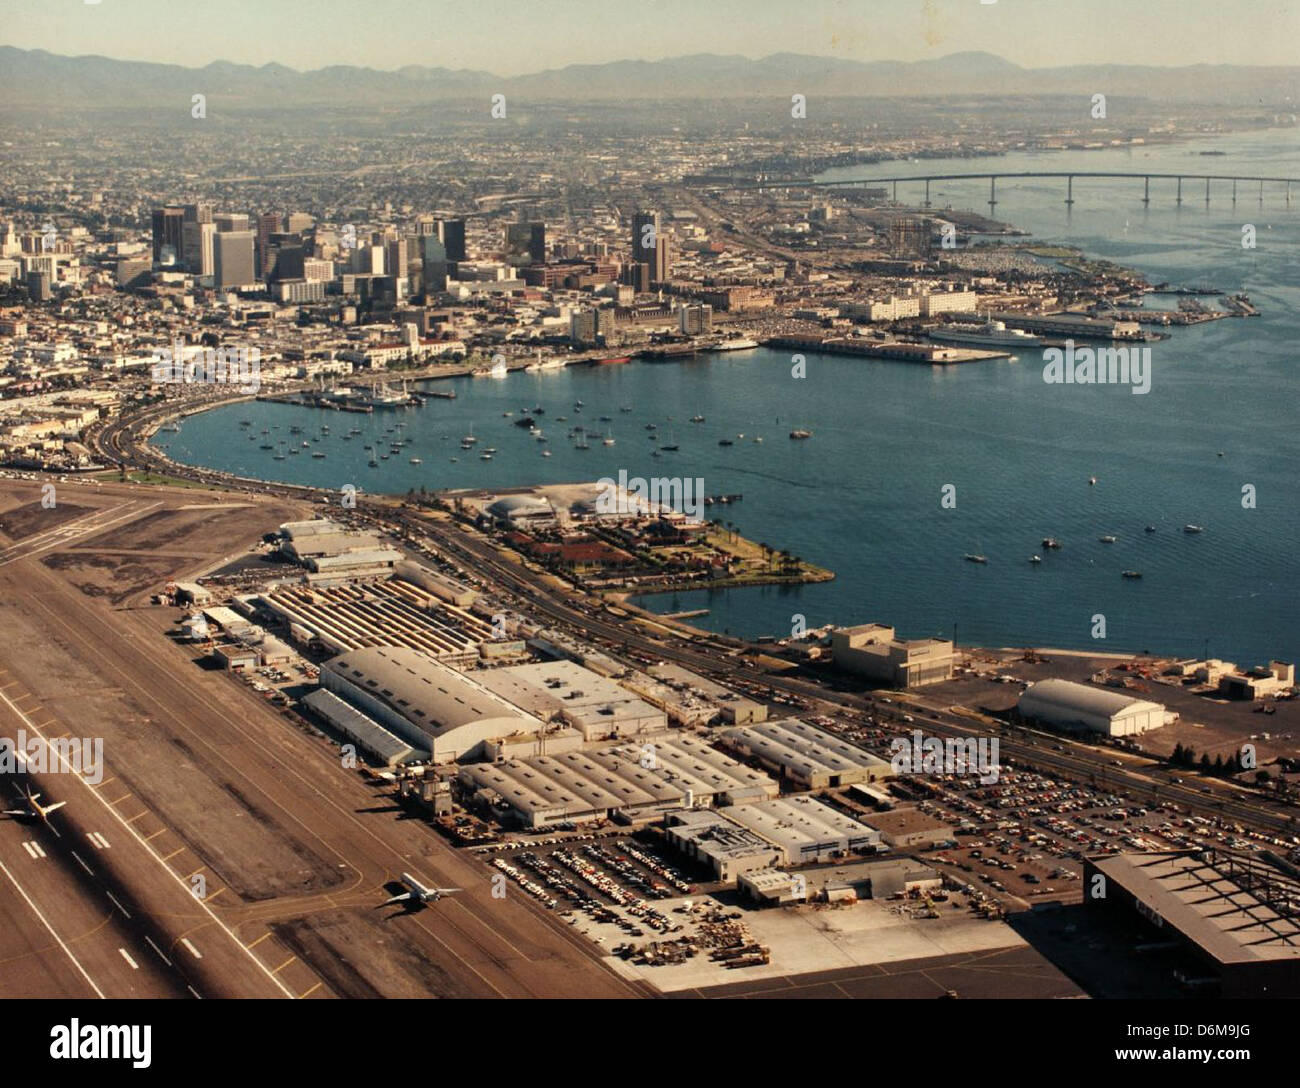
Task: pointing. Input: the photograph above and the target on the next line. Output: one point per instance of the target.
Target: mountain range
(33, 78)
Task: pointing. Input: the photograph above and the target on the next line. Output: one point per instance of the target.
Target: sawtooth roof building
(631, 783)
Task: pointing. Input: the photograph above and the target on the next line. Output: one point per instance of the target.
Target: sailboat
(608, 440)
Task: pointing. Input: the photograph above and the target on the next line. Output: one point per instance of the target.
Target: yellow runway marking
(311, 991)
(260, 939)
(284, 965)
(173, 854)
(114, 804)
(156, 834)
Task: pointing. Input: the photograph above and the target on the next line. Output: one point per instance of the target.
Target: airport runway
(207, 782)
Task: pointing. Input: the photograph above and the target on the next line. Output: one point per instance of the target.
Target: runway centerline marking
(45, 922)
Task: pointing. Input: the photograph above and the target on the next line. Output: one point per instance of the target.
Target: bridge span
(995, 176)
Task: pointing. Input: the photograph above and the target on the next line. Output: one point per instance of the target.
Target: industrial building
(735, 709)
(1238, 916)
(745, 838)
(1067, 705)
(594, 706)
(326, 548)
(809, 756)
(423, 701)
(873, 650)
(805, 829)
(631, 782)
(909, 829)
(371, 737)
(877, 879)
(730, 850)
(392, 612)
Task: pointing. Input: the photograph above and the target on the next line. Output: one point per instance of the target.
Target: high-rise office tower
(268, 223)
(395, 257)
(645, 233)
(650, 245)
(537, 242)
(167, 232)
(453, 237)
(233, 263)
(197, 246)
(227, 221)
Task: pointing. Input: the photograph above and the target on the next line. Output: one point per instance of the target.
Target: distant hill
(36, 77)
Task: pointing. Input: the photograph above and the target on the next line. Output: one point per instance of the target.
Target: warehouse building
(729, 850)
(734, 708)
(1236, 915)
(390, 612)
(593, 705)
(873, 650)
(366, 733)
(423, 701)
(810, 756)
(329, 549)
(1078, 707)
(631, 783)
(909, 829)
(804, 829)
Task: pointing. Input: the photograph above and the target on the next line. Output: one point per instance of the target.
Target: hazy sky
(510, 37)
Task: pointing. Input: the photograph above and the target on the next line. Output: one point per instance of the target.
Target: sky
(514, 37)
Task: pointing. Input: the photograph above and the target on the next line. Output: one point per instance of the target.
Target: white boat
(992, 334)
(1107, 539)
(1193, 528)
(737, 344)
(1035, 558)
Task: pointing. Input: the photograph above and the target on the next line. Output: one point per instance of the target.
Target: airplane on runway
(419, 894)
(33, 809)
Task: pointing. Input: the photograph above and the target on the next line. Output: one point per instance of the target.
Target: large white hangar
(1068, 705)
(423, 701)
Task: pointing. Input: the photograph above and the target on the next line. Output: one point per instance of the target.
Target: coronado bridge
(1067, 176)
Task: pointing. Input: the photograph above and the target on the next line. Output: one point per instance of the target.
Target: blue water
(862, 497)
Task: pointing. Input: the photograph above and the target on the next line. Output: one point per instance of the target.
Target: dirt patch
(32, 518)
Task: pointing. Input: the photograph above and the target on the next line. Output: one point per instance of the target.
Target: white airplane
(33, 809)
(419, 893)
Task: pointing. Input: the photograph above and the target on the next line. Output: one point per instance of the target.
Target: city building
(694, 319)
(233, 265)
(874, 651)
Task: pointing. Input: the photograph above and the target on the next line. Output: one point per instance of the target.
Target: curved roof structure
(438, 701)
(520, 506)
(1057, 698)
